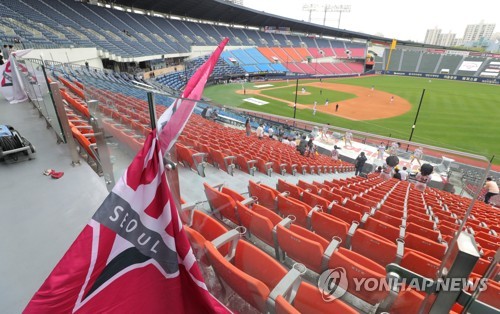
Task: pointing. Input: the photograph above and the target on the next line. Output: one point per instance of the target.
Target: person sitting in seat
(310, 147)
(302, 145)
(397, 175)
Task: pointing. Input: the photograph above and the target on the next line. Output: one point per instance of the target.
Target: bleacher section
(59, 23)
(429, 62)
(222, 70)
(355, 223)
(395, 62)
(449, 62)
(410, 61)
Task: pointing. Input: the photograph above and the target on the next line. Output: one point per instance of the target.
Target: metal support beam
(104, 156)
(61, 112)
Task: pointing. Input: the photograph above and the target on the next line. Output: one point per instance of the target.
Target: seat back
(265, 196)
(304, 185)
(328, 226)
(301, 245)
(288, 206)
(387, 218)
(309, 300)
(422, 231)
(374, 247)
(256, 263)
(221, 203)
(425, 245)
(357, 207)
(345, 214)
(358, 267)
(250, 289)
(283, 307)
(294, 190)
(381, 228)
(331, 196)
(315, 200)
(233, 194)
(259, 220)
(422, 264)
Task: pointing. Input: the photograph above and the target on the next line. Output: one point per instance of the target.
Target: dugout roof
(226, 12)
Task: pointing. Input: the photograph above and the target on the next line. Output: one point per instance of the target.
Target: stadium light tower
(310, 8)
(346, 8)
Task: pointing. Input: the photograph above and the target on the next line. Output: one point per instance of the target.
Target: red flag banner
(178, 114)
(134, 256)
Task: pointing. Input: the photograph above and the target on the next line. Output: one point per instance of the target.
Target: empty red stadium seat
(221, 203)
(358, 267)
(259, 221)
(252, 274)
(374, 247)
(302, 246)
(265, 196)
(329, 226)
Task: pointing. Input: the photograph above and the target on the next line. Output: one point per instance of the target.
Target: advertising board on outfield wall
(443, 76)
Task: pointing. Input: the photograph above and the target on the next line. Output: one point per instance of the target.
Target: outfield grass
(463, 116)
(312, 94)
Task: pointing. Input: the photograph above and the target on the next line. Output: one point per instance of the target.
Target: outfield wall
(443, 76)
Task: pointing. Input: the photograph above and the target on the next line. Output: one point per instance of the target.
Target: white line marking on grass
(263, 85)
(256, 101)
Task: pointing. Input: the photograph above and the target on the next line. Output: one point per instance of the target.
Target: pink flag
(178, 114)
(134, 256)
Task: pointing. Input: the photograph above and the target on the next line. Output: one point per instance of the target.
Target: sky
(400, 19)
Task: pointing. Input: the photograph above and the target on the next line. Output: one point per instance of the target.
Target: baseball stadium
(205, 157)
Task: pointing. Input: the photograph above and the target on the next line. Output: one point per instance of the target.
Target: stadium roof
(227, 12)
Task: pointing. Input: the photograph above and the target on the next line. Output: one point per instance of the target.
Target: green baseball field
(463, 116)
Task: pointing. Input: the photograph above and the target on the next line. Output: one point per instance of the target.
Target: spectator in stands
(293, 142)
(492, 189)
(215, 115)
(204, 112)
(270, 131)
(380, 151)
(421, 182)
(87, 64)
(260, 131)
(393, 150)
(281, 132)
(335, 152)
(404, 174)
(359, 163)
(348, 138)
(285, 141)
(208, 114)
(302, 145)
(248, 127)
(379, 169)
(417, 154)
(386, 173)
(310, 146)
(397, 174)
(5, 52)
(325, 131)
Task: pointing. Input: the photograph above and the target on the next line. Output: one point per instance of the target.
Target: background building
(446, 39)
(477, 32)
(432, 36)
